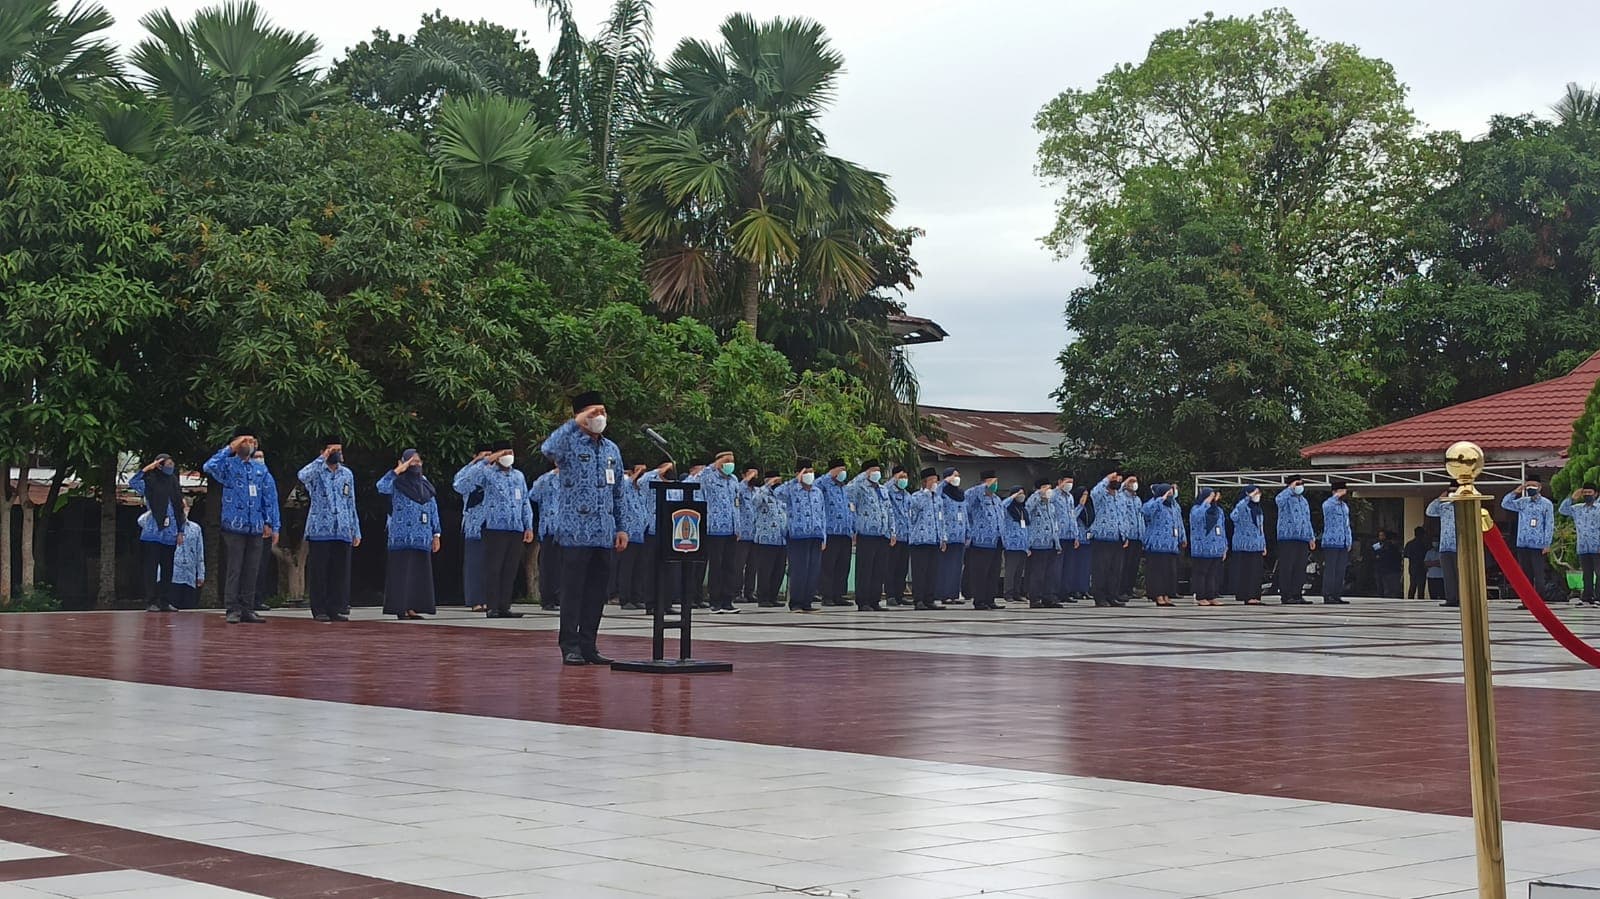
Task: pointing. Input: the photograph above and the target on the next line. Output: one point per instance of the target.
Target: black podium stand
(680, 539)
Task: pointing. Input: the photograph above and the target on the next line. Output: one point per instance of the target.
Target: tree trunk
(29, 549)
(211, 531)
(106, 594)
(5, 533)
(752, 294)
(530, 571)
(292, 569)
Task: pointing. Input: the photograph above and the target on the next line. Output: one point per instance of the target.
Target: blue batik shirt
(546, 491)
(983, 517)
(591, 476)
(955, 514)
(1248, 535)
(412, 525)
(840, 522)
(900, 505)
(1208, 531)
(634, 512)
(770, 527)
(1164, 533)
(506, 504)
(1041, 523)
(1535, 519)
(925, 512)
(471, 504)
(1294, 517)
(271, 492)
(1131, 515)
(720, 492)
(1108, 526)
(1014, 534)
(806, 510)
(1447, 524)
(1335, 524)
(247, 492)
(332, 516)
(1586, 516)
(870, 508)
(745, 511)
(189, 559)
(149, 531)
(1068, 527)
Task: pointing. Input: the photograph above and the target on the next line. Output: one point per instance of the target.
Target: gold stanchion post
(1464, 461)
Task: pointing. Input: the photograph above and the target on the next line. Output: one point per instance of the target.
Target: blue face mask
(901, 483)
(1298, 489)
(841, 476)
(727, 468)
(169, 468)
(1531, 492)
(874, 476)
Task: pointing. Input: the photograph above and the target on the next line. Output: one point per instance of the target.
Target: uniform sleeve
(198, 538)
(433, 517)
(619, 503)
(1511, 502)
(469, 478)
(136, 483)
(309, 471)
(555, 446)
(386, 483)
(527, 505)
(269, 505)
(1566, 508)
(217, 466)
(1435, 509)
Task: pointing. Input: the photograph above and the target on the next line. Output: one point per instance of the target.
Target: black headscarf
(1016, 508)
(955, 493)
(163, 494)
(1213, 512)
(412, 484)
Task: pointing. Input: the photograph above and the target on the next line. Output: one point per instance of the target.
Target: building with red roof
(1018, 446)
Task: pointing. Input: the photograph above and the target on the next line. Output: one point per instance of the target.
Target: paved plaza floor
(1277, 752)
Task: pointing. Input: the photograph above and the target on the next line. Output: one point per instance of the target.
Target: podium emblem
(685, 531)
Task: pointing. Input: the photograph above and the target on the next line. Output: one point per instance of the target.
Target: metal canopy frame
(1504, 474)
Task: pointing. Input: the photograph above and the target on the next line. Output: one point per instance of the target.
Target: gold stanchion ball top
(1464, 461)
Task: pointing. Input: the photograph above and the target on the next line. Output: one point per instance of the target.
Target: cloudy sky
(941, 95)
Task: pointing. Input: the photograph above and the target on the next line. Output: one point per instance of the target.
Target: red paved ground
(1380, 742)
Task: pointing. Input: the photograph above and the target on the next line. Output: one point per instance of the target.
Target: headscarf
(164, 495)
(1018, 510)
(413, 485)
(1256, 515)
(1213, 512)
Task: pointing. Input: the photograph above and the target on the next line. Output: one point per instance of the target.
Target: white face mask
(597, 424)
(507, 460)
(1046, 493)
(1133, 486)
(808, 478)
(955, 481)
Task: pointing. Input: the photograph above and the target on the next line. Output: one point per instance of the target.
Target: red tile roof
(1536, 417)
(993, 435)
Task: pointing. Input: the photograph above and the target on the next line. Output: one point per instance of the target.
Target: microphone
(660, 442)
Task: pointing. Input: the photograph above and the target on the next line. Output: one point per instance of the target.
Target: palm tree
(1579, 107)
(731, 185)
(601, 85)
(55, 58)
(489, 153)
(229, 70)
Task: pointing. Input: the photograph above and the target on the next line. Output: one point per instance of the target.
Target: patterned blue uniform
(633, 513)
(270, 489)
(955, 516)
(806, 510)
(471, 504)
(900, 507)
(506, 505)
(412, 525)
(770, 526)
(590, 478)
(1335, 524)
(1041, 523)
(332, 516)
(1068, 526)
(720, 492)
(1294, 517)
(1108, 526)
(837, 505)
(1208, 531)
(247, 492)
(1248, 535)
(189, 559)
(1447, 524)
(983, 518)
(1535, 519)
(745, 511)
(925, 513)
(149, 531)
(872, 514)
(1586, 517)
(1164, 530)
(1014, 536)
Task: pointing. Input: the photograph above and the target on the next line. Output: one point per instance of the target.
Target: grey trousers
(244, 568)
(1452, 587)
(1335, 563)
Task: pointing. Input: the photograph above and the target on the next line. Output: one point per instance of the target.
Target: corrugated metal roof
(975, 434)
(1537, 417)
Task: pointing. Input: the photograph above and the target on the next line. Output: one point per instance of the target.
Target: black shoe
(507, 613)
(338, 617)
(574, 658)
(1336, 602)
(252, 618)
(550, 607)
(1295, 602)
(153, 608)
(234, 618)
(593, 657)
(801, 609)
(492, 613)
(1069, 600)
(262, 607)
(1119, 604)
(320, 617)
(1449, 605)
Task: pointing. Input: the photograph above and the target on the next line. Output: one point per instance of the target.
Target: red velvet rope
(1530, 597)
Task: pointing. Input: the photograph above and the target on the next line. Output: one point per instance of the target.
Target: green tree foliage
(730, 184)
(1583, 456)
(407, 78)
(489, 153)
(1507, 281)
(55, 57)
(600, 86)
(1288, 166)
(229, 70)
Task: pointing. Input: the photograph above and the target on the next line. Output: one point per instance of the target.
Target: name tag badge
(517, 495)
(611, 477)
(424, 518)
(252, 490)
(1533, 523)
(345, 489)
(1219, 532)
(1174, 532)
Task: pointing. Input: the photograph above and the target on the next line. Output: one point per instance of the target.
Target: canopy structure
(1372, 477)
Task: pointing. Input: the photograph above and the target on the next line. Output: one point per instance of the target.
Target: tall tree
(229, 70)
(600, 85)
(730, 183)
(407, 78)
(57, 58)
(1302, 152)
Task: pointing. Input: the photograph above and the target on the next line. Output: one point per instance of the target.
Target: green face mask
(727, 468)
(901, 483)
(994, 488)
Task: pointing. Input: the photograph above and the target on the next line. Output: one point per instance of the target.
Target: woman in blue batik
(413, 539)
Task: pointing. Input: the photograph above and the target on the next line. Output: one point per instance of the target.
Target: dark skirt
(1160, 574)
(472, 573)
(408, 582)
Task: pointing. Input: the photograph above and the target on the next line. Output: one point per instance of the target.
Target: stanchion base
(672, 666)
